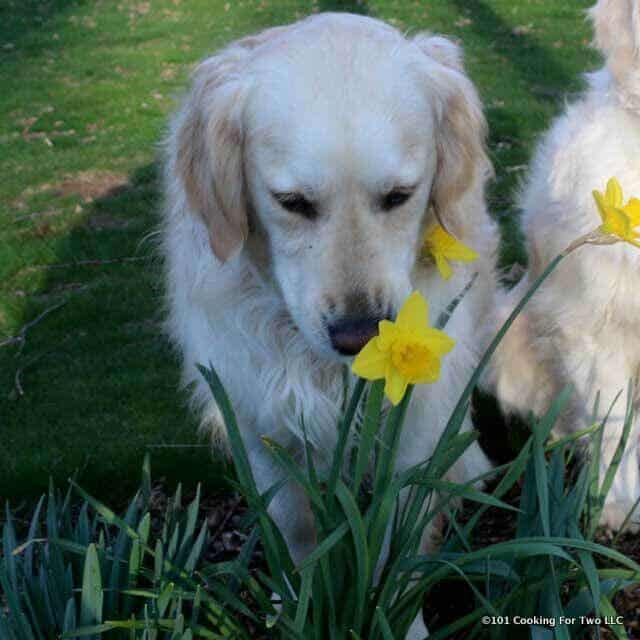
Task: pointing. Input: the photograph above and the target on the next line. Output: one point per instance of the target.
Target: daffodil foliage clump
(79, 570)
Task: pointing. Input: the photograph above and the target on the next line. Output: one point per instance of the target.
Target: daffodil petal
(371, 362)
(444, 267)
(614, 195)
(441, 246)
(414, 313)
(395, 386)
(632, 209)
(433, 236)
(616, 222)
(620, 220)
(461, 252)
(438, 342)
(600, 202)
(388, 333)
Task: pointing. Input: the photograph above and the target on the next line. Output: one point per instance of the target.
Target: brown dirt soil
(91, 184)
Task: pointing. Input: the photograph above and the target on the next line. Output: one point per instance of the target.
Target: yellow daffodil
(404, 352)
(618, 219)
(442, 247)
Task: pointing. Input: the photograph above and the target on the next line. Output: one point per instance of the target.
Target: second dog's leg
(601, 368)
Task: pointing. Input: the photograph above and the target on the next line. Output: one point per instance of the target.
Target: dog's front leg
(595, 367)
(418, 629)
(625, 489)
(289, 508)
(426, 418)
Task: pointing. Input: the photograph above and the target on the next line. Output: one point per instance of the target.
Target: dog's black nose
(349, 335)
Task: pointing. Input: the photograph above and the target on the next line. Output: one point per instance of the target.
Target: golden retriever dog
(302, 171)
(583, 326)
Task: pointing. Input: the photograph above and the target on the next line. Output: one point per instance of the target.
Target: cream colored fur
(342, 108)
(583, 327)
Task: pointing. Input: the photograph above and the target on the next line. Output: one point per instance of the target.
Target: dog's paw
(417, 630)
(212, 426)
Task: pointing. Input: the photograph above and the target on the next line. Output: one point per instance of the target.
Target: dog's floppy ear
(617, 34)
(440, 49)
(207, 143)
(463, 166)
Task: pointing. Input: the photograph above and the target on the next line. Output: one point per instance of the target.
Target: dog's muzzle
(349, 335)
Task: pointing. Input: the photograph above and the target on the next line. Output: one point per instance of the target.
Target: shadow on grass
(25, 22)
(97, 382)
(547, 80)
(531, 60)
(350, 6)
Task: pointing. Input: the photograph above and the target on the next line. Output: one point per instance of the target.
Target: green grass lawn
(85, 89)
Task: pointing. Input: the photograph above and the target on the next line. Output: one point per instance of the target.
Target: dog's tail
(517, 374)
(617, 36)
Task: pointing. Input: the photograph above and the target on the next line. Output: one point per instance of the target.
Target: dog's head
(617, 36)
(331, 143)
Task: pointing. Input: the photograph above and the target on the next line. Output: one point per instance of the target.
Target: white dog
(583, 327)
(302, 172)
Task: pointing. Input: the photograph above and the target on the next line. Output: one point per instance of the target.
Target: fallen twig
(36, 214)
(21, 336)
(86, 263)
(178, 446)
(31, 362)
(18, 382)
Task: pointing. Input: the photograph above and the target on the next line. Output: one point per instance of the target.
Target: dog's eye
(296, 203)
(396, 198)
